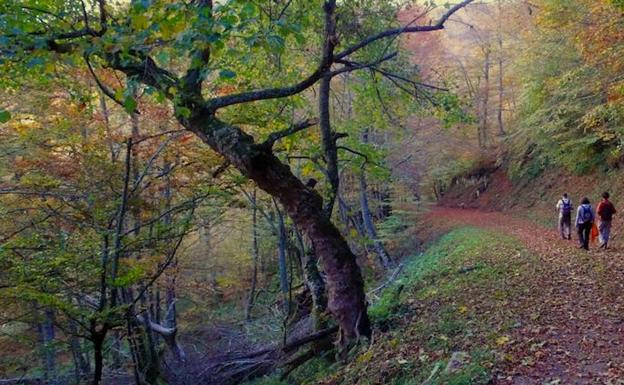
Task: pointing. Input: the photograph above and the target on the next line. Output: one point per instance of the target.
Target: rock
(457, 362)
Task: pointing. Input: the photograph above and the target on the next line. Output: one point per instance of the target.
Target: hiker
(605, 211)
(564, 208)
(584, 221)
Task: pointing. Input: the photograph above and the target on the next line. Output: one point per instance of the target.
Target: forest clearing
(273, 192)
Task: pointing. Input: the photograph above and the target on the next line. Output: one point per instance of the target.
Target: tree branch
(192, 81)
(269, 93)
(275, 136)
(110, 94)
(353, 66)
(397, 31)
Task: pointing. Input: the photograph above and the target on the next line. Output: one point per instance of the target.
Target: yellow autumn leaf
(502, 340)
(365, 357)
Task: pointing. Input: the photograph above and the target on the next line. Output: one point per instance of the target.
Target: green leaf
(183, 112)
(5, 116)
(130, 104)
(139, 22)
(249, 9)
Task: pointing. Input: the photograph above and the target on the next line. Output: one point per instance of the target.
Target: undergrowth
(454, 298)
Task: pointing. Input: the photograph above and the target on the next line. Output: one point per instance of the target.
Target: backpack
(566, 207)
(586, 214)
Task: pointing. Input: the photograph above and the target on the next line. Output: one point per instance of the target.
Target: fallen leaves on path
(571, 329)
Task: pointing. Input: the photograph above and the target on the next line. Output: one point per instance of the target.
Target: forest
(276, 192)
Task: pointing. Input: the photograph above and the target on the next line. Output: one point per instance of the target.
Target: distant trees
(92, 229)
(571, 109)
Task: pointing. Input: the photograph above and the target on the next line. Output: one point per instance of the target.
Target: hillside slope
(502, 298)
(490, 189)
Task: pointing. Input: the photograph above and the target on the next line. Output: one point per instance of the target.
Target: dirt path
(574, 332)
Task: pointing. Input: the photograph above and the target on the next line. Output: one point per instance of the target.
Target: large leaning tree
(201, 57)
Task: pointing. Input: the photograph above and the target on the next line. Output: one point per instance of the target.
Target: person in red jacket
(605, 211)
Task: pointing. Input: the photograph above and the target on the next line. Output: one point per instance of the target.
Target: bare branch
(353, 66)
(393, 75)
(221, 169)
(397, 31)
(145, 69)
(103, 16)
(274, 137)
(325, 65)
(150, 162)
(102, 86)
(269, 93)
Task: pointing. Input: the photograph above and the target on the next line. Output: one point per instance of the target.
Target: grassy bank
(456, 299)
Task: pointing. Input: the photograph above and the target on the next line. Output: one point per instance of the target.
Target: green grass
(454, 297)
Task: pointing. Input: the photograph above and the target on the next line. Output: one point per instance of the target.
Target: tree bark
(501, 130)
(348, 218)
(171, 313)
(98, 357)
(304, 205)
(367, 217)
(328, 142)
(328, 145)
(485, 100)
(46, 335)
(281, 259)
(315, 283)
(254, 256)
(116, 350)
(83, 367)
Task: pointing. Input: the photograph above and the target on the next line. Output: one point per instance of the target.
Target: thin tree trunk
(346, 213)
(116, 350)
(501, 130)
(170, 319)
(109, 134)
(204, 238)
(82, 365)
(254, 255)
(328, 144)
(483, 126)
(328, 140)
(281, 257)
(47, 336)
(98, 357)
(380, 250)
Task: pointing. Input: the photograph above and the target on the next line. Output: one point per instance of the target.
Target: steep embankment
(490, 189)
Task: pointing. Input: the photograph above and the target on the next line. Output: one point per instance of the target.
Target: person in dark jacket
(605, 211)
(584, 221)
